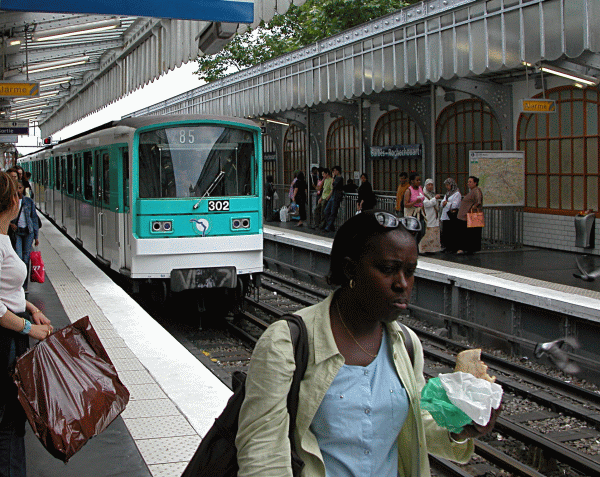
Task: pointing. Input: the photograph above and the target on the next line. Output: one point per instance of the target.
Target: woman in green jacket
(359, 408)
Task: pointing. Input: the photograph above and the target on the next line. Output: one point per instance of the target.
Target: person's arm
(454, 200)
(35, 222)
(438, 439)
(262, 442)
(37, 315)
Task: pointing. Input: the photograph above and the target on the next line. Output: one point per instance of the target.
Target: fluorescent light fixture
(578, 85)
(26, 115)
(54, 81)
(584, 79)
(25, 108)
(273, 121)
(52, 65)
(74, 30)
(46, 94)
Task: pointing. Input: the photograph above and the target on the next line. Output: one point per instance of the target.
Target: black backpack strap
(299, 336)
(408, 342)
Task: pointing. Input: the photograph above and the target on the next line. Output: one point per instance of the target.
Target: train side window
(125, 177)
(87, 176)
(63, 173)
(106, 178)
(69, 174)
(77, 173)
(57, 173)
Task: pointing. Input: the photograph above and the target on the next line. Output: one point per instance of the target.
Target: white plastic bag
(475, 397)
(284, 215)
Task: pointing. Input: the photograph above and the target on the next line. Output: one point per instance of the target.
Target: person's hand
(444, 203)
(13, 226)
(475, 430)
(39, 318)
(438, 196)
(37, 242)
(41, 332)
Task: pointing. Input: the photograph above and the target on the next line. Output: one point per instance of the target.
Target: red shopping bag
(37, 267)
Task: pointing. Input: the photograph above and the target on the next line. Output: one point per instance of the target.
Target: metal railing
(503, 225)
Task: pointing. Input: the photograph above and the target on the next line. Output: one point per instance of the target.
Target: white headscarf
(429, 195)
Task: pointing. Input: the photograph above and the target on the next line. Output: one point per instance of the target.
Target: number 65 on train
(173, 203)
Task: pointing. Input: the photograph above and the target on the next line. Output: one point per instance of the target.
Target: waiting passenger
(366, 196)
(359, 403)
(25, 228)
(400, 194)
(326, 190)
(333, 205)
(450, 205)
(413, 202)
(431, 240)
(470, 238)
(299, 197)
(16, 317)
(350, 187)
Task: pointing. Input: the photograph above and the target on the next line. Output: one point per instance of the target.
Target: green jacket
(327, 188)
(262, 439)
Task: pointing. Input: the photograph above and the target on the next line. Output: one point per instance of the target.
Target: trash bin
(584, 230)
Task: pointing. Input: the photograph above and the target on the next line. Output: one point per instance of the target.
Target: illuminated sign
(538, 106)
(17, 88)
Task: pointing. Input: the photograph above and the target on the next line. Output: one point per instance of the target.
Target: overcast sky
(173, 83)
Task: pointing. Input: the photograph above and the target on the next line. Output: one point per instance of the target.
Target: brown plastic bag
(69, 389)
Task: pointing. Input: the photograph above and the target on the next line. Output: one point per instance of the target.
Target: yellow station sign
(538, 106)
(20, 89)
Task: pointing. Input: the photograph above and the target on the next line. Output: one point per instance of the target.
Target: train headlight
(161, 226)
(240, 223)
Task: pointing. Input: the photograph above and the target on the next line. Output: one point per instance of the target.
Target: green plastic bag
(446, 414)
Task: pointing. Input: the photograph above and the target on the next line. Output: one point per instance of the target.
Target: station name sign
(397, 151)
(14, 128)
(20, 89)
(538, 106)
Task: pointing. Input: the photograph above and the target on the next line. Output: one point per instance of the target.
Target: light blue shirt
(359, 420)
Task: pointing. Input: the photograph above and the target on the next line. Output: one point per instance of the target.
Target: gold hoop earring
(352, 283)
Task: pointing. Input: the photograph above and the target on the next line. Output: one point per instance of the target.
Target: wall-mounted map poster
(501, 176)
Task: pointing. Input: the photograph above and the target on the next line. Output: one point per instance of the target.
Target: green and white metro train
(170, 202)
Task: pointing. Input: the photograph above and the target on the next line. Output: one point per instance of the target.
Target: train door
(77, 194)
(124, 212)
(102, 202)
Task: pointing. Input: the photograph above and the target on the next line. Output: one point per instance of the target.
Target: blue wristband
(26, 327)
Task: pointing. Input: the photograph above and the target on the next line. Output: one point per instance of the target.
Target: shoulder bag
(217, 456)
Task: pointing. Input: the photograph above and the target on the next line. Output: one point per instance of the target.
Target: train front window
(196, 161)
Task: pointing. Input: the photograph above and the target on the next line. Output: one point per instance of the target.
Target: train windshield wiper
(210, 188)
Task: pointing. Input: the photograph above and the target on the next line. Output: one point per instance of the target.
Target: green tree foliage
(300, 26)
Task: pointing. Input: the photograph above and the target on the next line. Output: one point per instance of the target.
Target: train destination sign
(13, 128)
(538, 106)
(19, 88)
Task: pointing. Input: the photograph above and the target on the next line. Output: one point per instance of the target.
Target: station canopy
(65, 60)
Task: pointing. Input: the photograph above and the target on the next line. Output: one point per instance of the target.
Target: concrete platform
(174, 398)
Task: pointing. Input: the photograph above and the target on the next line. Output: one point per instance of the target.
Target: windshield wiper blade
(210, 188)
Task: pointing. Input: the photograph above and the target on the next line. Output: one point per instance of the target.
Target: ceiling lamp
(42, 96)
(53, 65)
(580, 78)
(55, 81)
(74, 30)
(26, 115)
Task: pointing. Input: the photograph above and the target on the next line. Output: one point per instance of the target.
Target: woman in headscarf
(450, 206)
(431, 240)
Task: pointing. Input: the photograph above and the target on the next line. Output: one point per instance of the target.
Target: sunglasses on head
(390, 221)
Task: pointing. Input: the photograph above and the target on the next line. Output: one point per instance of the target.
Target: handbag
(217, 456)
(475, 219)
(69, 388)
(38, 273)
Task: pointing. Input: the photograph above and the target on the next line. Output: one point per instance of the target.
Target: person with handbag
(359, 402)
(431, 240)
(413, 202)
(472, 202)
(450, 205)
(19, 320)
(25, 228)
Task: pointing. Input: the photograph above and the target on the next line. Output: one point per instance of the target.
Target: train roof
(157, 119)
